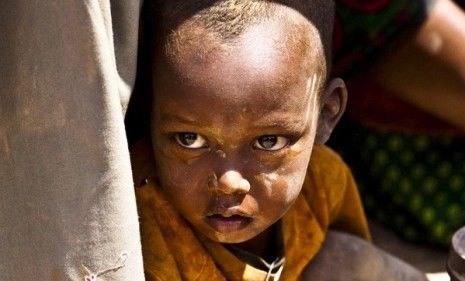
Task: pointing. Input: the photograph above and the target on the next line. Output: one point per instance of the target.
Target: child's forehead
(292, 42)
(266, 69)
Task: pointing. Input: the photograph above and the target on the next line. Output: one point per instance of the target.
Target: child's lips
(228, 221)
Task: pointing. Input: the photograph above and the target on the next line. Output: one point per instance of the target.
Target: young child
(241, 95)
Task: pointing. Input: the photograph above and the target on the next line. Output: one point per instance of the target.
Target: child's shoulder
(325, 152)
(331, 191)
(326, 166)
(327, 181)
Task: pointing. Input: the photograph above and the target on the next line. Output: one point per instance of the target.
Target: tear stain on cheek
(190, 161)
(221, 153)
(287, 184)
(294, 187)
(268, 180)
(283, 192)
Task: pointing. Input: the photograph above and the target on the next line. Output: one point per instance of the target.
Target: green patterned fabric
(363, 28)
(414, 184)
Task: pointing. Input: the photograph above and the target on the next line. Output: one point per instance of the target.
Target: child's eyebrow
(278, 120)
(170, 118)
(292, 126)
(270, 123)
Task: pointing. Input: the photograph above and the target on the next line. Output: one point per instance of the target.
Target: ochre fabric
(173, 251)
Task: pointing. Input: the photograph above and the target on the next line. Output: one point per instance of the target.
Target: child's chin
(230, 238)
(234, 229)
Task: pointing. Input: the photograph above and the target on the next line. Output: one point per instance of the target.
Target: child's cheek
(173, 175)
(280, 187)
(294, 182)
(187, 193)
(268, 181)
(293, 175)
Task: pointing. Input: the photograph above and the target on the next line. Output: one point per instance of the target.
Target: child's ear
(332, 105)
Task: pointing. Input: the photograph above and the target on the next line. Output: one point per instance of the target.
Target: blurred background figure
(403, 134)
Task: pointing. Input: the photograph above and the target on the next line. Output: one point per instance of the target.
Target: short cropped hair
(228, 19)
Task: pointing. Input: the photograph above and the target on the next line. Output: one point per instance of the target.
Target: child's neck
(264, 245)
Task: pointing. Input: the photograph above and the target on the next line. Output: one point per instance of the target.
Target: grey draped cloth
(67, 203)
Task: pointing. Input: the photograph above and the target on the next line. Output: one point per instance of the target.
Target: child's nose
(230, 182)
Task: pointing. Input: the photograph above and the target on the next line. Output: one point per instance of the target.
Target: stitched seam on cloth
(120, 263)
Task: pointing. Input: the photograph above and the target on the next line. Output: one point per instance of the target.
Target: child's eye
(271, 142)
(190, 140)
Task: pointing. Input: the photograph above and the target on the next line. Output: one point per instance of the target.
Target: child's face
(233, 132)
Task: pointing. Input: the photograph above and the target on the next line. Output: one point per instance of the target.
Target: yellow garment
(173, 251)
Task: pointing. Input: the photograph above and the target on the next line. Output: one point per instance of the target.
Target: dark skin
(356, 259)
(429, 70)
(233, 130)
